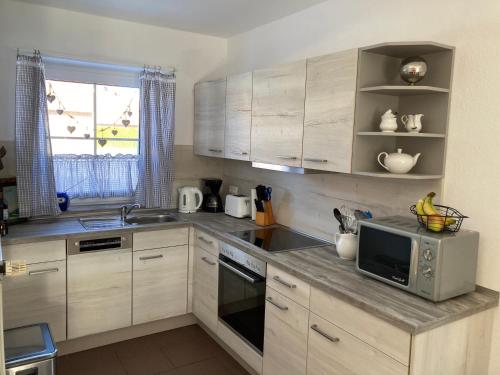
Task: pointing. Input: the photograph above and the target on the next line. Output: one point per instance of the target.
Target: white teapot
(412, 123)
(398, 162)
(389, 123)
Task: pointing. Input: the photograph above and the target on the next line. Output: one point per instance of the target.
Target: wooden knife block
(265, 218)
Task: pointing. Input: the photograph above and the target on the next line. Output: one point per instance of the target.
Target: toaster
(238, 205)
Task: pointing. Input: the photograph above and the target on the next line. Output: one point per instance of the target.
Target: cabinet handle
(312, 160)
(151, 257)
(286, 157)
(281, 307)
(205, 259)
(203, 239)
(239, 153)
(283, 282)
(217, 150)
(42, 272)
(315, 328)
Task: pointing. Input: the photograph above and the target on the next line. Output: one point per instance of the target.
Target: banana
(430, 216)
(429, 206)
(435, 223)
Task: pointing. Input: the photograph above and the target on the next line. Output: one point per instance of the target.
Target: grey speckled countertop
(321, 267)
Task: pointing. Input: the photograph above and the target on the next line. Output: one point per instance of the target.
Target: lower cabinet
(285, 336)
(205, 288)
(99, 292)
(38, 296)
(159, 283)
(334, 351)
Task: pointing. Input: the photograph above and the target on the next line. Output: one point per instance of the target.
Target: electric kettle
(190, 199)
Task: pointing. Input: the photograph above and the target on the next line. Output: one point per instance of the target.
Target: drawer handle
(217, 150)
(283, 282)
(312, 160)
(315, 328)
(286, 157)
(203, 239)
(151, 257)
(42, 272)
(205, 259)
(281, 307)
(239, 153)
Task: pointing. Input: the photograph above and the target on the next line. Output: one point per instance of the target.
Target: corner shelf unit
(380, 88)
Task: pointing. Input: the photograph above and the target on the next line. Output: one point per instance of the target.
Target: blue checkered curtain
(157, 129)
(36, 188)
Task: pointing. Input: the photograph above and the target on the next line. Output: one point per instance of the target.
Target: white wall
(473, 167)
(88, 37)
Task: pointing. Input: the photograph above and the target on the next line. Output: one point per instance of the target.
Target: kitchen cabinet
(205, 287)
(238, 116)
(159, 283)
(209, 118)
(99, 292)
(278, 114)
(38, 296)
(334, 351)
(329, 111)
(285, 336)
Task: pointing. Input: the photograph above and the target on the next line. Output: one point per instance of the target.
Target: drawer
(285, 336)
(206, 242)
(161, 238)
(334, 351)
(36, 252)
(205, 290)
(374, 331)
(240, 347)
(288, 285)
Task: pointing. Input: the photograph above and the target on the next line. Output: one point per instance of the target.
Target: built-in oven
(242, 292)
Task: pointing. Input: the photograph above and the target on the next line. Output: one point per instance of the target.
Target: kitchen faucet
(126, 209)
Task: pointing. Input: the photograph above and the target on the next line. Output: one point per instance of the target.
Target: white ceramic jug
(412, 123)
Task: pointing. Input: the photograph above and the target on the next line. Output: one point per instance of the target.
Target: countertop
(320, 267)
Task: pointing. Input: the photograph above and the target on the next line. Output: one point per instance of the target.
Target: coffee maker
(212, 202)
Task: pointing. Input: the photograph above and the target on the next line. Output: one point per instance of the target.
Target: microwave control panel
(426, 267)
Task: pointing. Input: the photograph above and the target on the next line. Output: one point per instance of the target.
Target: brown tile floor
(183, 351)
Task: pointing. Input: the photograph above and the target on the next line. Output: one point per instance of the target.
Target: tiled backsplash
(305, 202)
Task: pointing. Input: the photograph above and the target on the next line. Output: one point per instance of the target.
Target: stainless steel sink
(102, 223)
(149, 219)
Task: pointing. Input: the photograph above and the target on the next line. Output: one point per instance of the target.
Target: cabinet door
(238, 116)
(333, 351)
(99, 292)
(278, 114)
(38, 296)
(209, 118)
(159, 284)
(329, 111)
(285, 336)
(205, 291)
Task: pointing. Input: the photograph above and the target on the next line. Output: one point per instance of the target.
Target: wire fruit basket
(449, 219)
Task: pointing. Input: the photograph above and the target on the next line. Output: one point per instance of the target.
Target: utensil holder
(265, 218)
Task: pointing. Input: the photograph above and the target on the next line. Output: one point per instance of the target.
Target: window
(93, 119)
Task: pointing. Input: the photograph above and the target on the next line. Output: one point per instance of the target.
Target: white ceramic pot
(398, 162)
(347, 245)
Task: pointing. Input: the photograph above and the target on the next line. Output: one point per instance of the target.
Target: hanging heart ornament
(87, 135)
(126, 122)
(114, 132)
(71, 128)
(60, 111)
(51, 98)
(102, 142)
(129, 113)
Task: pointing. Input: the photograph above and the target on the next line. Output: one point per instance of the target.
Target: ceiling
(222, 18)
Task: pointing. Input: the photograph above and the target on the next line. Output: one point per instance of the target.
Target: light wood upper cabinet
(329, 111)
(278, 114)
(238, 116)
(159, 283)
(209, 118)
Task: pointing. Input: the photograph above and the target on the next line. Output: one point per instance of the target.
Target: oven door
(387, 256)
(242, 301)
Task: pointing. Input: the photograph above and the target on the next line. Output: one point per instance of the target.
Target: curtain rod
(54, 58)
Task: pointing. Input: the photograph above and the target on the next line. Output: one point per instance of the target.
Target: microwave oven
(398, 251)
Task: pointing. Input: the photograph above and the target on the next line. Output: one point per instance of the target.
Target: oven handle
(247, 277)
